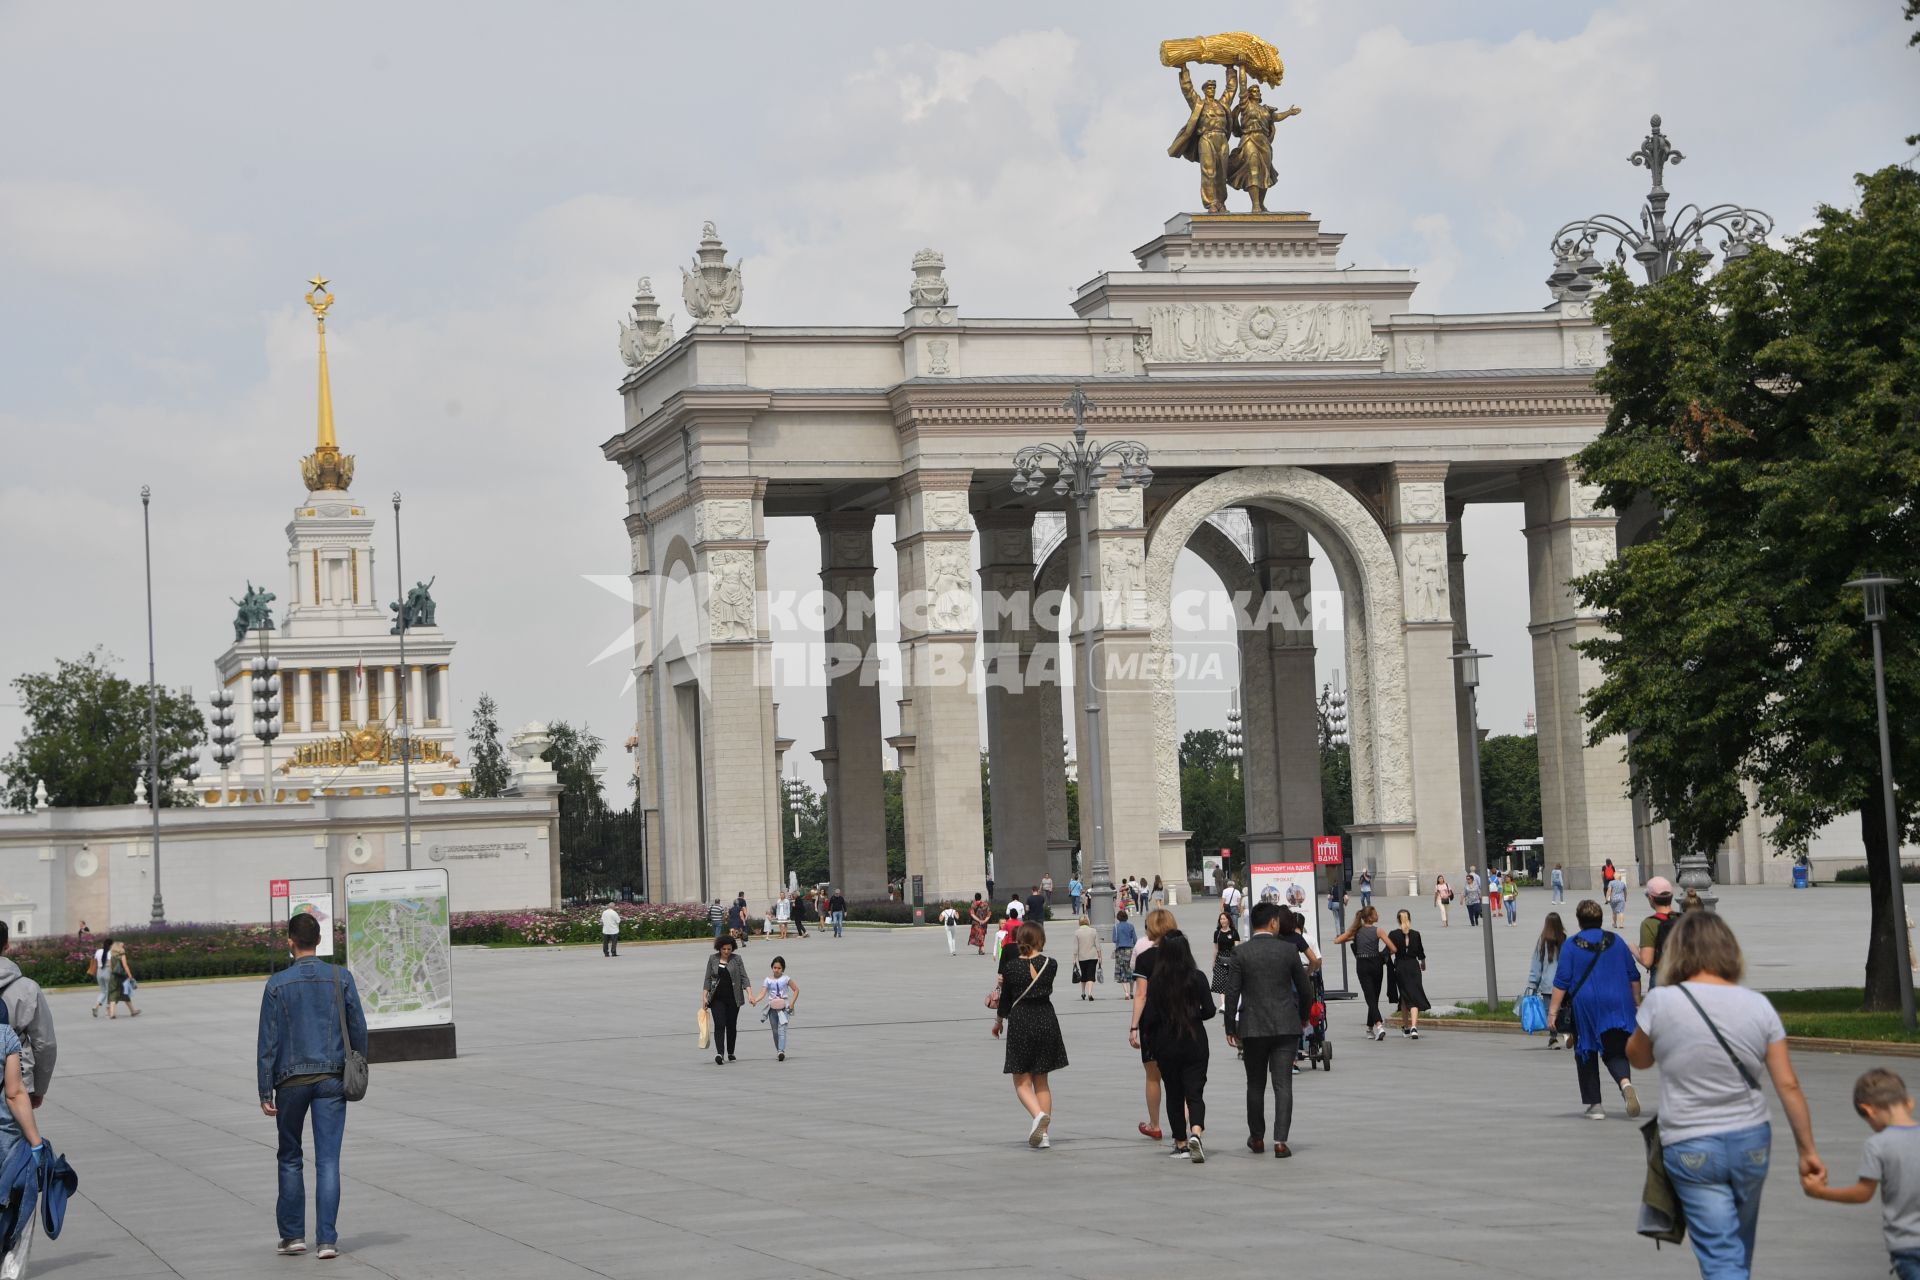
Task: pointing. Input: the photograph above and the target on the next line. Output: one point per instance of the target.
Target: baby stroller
(1314, 1041)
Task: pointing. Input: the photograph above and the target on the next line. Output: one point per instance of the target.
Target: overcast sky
(483, 183)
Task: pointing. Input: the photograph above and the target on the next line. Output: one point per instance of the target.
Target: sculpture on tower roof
(256, 612)
(647, 334)
(929, 287)
(1214, 118)
(417, 610)
(712, 288)
(326, 469)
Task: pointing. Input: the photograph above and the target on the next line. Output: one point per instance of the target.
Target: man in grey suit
(1266, 987)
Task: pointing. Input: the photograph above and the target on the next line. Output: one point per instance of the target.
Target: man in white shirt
(1230, 899)
(609, 931)
(950, 920)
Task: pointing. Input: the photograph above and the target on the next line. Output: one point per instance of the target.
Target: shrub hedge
(1909, 874)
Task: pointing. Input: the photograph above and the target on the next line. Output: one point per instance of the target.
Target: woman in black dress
(722, 991)
(1409, 962)
(1225, 939)
(1024, 1010)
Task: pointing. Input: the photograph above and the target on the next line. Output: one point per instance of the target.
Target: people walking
(1495, 888)
(799, 913)
(1337, 900)
(1599, 983)
(609, 931)
(1366, 888)
(1472, 888)
(1171, 1033)
(717, 914)
(950, 921)
(1513, 898)
(1157, 896)
(16, 1118)
(1653, 929)
(1267, 986)
(1086, 956)
(837, 908)
(1617, 899)
(1543, 965)
(120, 980)
(1160, 923)
(98, 969)
(1442, 898)
(723, 989)
(1024, 1010)
(737, 923)
(1371, 947)
(1889, 1168)
(28, 1013)
(1230, 899)
(979, 916)
(1036, 906)
(1711, 1038)
(1076, 891)
(310, 1016)
(1409, 964)
(1124, 937)
(1559, 882)
(781, 993)
(1224, 941)
(1046, 888)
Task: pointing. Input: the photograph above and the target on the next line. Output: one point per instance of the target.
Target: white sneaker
(1632, 1096)
(1195, 1150)
(1037, 1135)
(1596, 1112)
(1045, 1142)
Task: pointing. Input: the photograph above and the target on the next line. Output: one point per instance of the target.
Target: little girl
(781, 994)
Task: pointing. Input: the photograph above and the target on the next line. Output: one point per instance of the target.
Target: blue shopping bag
(1533, 1013)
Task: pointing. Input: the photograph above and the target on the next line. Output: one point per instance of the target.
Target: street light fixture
(1873, 587)
(1079, 469)
(1469, 660)
(1235, 739)
(159, 912)
(1656, 246)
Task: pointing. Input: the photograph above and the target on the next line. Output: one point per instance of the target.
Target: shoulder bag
(1564, 1023)
(353, 1075)
(1033, 977)
(1662, 1218)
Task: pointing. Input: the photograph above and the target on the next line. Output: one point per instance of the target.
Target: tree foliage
(86, 736)
(573, 753)
(1510, 787)
(1212, 799)
(487, 759)
(1771, 414)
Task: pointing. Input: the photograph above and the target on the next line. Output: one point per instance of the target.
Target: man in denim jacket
(301, 1057)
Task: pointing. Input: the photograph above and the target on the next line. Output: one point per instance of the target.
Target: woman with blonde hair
(1086, 957)
(1024, 1008)
(1712, 1037)
(1160, 924)
(120, 980)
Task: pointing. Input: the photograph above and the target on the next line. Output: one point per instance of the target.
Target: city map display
(398, 947)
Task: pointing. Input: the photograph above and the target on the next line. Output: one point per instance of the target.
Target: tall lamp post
(1656, 246)
(401, 622)
(1079, 468)
(1469, 661)
(159, 913)
(1874, 587)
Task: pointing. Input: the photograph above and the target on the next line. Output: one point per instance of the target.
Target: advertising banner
(1290, 884)
(314, 898)
(399, 948)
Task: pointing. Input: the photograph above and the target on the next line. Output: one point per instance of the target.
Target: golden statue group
(1214, 120)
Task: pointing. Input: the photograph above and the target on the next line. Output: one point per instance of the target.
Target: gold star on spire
(319, 282)
(326, 469)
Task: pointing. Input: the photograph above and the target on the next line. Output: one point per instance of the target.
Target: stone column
(303, 700)
(856, 789)
(416, 696)
(333, 699)
(647, 727)
(389, 706)
(1583, 790)
(740, 802)
(1016, 712)
(446, 694)
(934, 536)
(1046, 677)
(1284, 572)
(1416, 499)
(360, 678)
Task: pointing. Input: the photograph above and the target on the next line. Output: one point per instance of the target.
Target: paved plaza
(581, 1133)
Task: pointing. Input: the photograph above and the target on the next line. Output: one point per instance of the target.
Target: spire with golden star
(326, 468)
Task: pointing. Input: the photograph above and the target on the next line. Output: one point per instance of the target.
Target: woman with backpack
(1177, 1003)
(1546, 960)
(1598, 983)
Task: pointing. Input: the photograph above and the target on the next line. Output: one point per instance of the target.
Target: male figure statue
(1205, 135)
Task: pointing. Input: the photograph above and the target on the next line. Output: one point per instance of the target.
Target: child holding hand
(1889, 1165)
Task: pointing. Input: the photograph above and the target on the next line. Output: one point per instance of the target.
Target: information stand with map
(400, 952)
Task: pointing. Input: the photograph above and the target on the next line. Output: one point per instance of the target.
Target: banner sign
(1327, 852)
(314, 898)
(399, 948)
(1291, 885)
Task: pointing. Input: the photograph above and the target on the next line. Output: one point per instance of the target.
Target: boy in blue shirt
(1889, 1165)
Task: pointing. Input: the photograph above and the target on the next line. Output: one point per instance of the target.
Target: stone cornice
(933, 479)
(703, 488)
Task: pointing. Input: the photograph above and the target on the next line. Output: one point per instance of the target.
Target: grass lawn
(1831, 1013)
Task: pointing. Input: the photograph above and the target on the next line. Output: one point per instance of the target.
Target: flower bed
(639, 921)
(158, 953)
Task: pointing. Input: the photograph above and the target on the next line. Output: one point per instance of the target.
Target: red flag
(360, 672)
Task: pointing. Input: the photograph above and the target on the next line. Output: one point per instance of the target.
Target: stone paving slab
(581, 1133)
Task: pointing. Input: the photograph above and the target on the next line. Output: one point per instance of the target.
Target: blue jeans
(1906, 1264)
(839, 919)
(1718, 1180)
(328, 1107)
(777, 1019)
(1366, 897)
(1513, 911)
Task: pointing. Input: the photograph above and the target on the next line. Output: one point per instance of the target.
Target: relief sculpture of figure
(1205, 136)
(1250, 166)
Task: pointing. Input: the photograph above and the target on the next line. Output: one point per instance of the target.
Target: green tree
(1771, 413)
(896, 824)
(86, 736)
(1510, 785)
(488, 760)
(1212, 798)
(572, 753)
(1336, 764)
(986, 804)
(806, 853)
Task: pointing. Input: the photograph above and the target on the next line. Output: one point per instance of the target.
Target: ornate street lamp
(1469, 660)
(1874, 587)
(1079, 468)
(1234, 737)
(1656, 246)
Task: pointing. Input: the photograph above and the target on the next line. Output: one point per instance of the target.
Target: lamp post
(1235, 739)
(401, 622)
(1079, 469)
(1656, 246)
(159, 913)
(1469, 660)
(1874, 587)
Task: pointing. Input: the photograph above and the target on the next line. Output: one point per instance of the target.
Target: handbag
(703, 1024)
(353, 1074)
(1563, 1025)
(1533, 1013)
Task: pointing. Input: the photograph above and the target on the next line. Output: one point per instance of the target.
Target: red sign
(280, 888)
(1326, 851)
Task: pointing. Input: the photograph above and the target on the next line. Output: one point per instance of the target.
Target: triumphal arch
(1262, 379)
